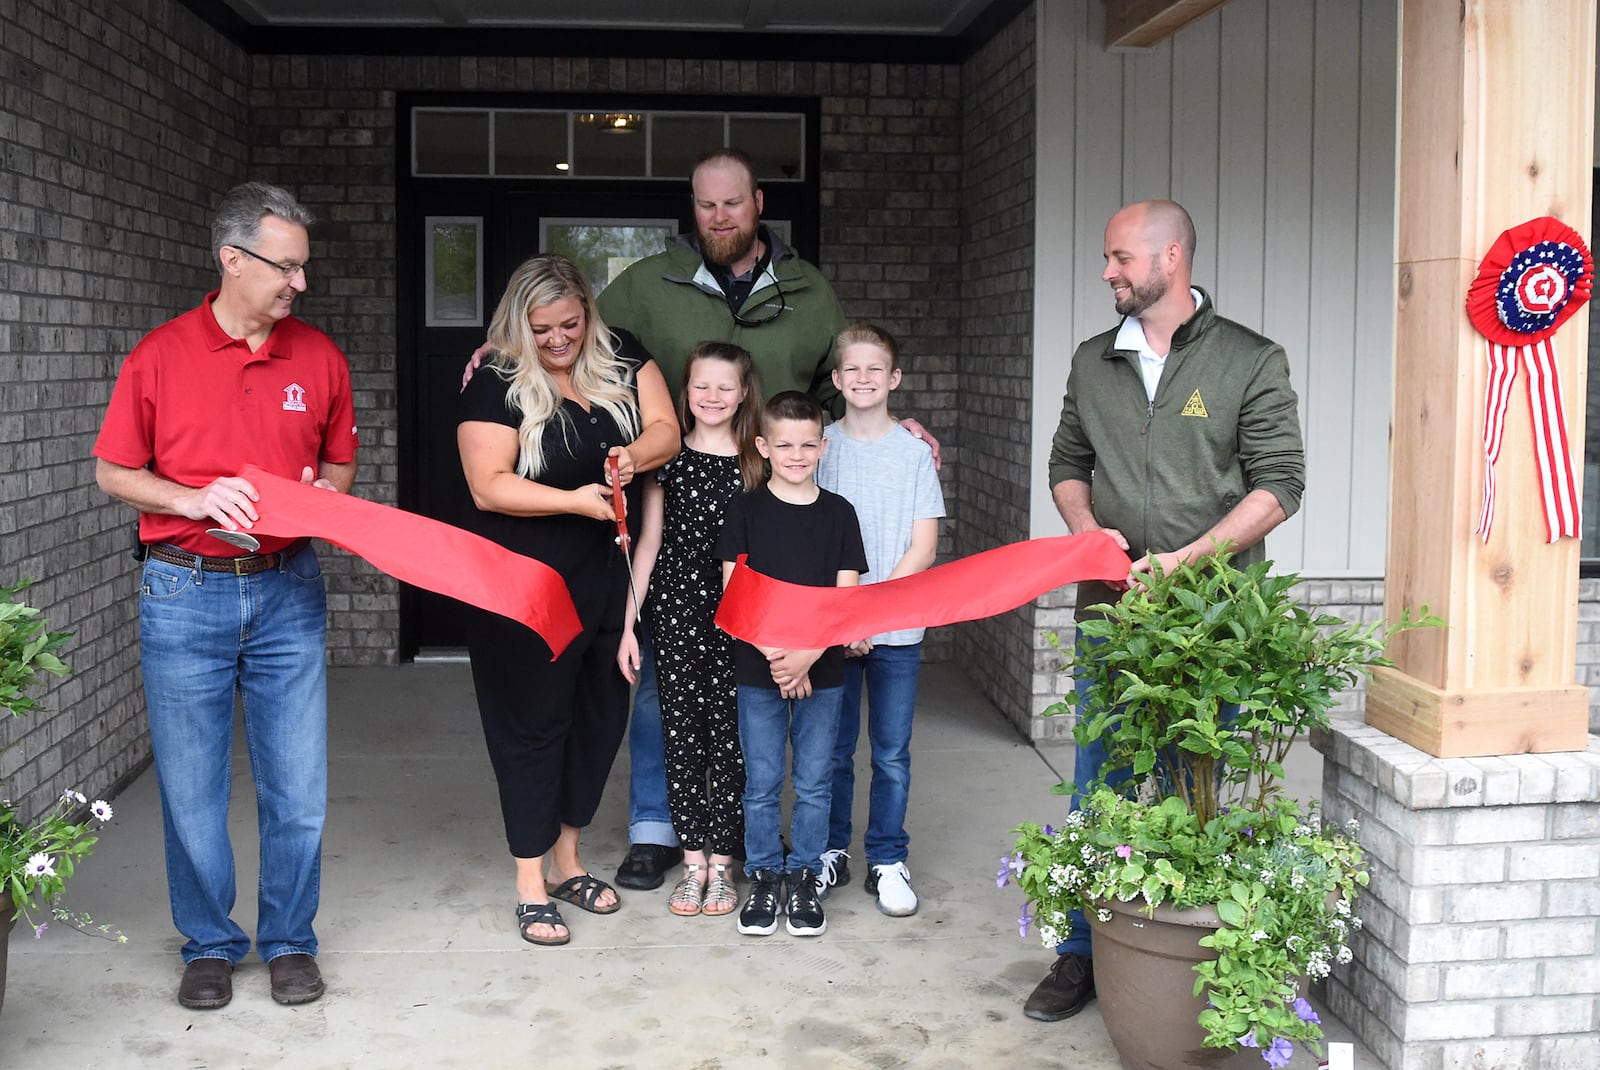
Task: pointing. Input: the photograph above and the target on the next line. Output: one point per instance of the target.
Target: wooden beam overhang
(1142, 23)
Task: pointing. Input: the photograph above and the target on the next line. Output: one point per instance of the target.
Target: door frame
(417, 198)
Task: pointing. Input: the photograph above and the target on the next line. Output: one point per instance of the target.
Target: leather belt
(243, 565)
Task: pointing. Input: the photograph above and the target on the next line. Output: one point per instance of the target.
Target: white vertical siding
(1274, 125)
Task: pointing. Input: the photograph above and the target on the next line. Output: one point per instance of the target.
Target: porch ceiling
(911, 17)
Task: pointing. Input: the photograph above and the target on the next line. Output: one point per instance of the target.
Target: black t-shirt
(575, 443)
(809, 544)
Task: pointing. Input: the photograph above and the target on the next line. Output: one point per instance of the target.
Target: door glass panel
(530, 143)
(453, 266)
(776, 144)
(677, 141)
(604, 247)
(600, 148)
(450, 142)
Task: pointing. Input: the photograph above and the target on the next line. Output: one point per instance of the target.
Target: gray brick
(1570, 977)
(1545, 1017)
(1547, 939)
(1448, 1021)
(1488, 980)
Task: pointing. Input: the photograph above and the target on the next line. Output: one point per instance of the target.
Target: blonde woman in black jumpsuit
(562, 394)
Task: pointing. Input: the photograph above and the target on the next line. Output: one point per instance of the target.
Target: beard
(727, 250)
(1141, 297)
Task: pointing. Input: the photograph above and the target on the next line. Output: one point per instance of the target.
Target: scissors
(619, 505)
(242, 539)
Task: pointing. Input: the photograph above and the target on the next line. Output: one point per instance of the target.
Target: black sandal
(531, 914)
(583, 891)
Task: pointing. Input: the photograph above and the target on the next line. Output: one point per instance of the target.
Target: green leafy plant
(37, 858)
(1197, 683)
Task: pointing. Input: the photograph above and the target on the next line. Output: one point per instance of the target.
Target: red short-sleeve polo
(193, 404)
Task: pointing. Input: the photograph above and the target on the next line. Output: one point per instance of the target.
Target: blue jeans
(890, 673)
(768, 725)
(203, 637)
(649, 814)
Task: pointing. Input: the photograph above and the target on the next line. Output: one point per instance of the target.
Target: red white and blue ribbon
(1533, 278)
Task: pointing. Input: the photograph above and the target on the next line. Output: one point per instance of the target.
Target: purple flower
(1302, 1007)
(1124, 851)
(1249, 832)
(39, 929)
(1048, 831)
(1279, 1054)
(1018, 864)
(1004, 876)
(1247, 1041)
(1023, 921)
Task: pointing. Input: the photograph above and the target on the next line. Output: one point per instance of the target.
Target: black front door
(604, 230)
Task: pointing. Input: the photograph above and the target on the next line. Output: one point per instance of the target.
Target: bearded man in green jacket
(1179, 433)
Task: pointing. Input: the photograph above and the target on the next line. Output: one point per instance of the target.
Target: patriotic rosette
(1535, 277)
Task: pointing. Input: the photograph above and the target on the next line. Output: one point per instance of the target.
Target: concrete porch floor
(423, 963)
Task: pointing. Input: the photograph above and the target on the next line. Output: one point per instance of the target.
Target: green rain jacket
(672, 302)
(1223, 423)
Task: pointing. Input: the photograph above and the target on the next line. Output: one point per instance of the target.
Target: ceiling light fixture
(613, 122)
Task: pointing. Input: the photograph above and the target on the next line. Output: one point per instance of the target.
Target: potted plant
(37, 857)
(1198, 682)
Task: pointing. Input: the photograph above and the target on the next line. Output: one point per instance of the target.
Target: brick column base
(1478, 947)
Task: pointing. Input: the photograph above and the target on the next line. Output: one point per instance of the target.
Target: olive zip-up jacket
(1223, 423)
(672, 302)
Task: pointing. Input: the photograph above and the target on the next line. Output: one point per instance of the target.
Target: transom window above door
(611, 143)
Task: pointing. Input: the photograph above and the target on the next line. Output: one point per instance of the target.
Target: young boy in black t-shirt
(795, 531)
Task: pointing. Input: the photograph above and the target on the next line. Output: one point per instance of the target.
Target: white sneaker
(892, 885)
(835, 871)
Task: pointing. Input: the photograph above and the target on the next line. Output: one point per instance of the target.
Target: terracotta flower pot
(1144, 978)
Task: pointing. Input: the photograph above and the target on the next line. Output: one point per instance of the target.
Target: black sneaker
(646, 866)
(760, 914)
(804, 908)
(835, 871)
(1065, 990)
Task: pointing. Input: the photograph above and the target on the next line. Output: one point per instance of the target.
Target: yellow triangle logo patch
(1195, 407)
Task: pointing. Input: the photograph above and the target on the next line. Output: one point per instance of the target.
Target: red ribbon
(791, 616)
(423, 552)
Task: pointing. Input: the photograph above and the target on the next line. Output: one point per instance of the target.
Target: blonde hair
(863, 333)
(599, 375)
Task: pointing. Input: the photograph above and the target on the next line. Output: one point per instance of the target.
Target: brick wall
(891, 178)
(108, 177)
(1478, 944)
(994, 382)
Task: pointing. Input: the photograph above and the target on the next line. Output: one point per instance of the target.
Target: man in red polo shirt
(235, 381)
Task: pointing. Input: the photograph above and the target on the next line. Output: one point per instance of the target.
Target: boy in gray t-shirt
(889, 477)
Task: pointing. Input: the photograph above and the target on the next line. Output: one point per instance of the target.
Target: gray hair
(239, 216)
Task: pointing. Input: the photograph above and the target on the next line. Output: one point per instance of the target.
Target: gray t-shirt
(891, 482)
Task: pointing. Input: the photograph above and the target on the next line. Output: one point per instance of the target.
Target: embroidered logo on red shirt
(294, 398)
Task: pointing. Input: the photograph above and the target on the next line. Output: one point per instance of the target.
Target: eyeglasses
(746, 321)
(288, 268)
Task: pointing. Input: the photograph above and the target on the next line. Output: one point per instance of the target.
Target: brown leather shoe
(1065, 990)
(295, 979)
(207, 984)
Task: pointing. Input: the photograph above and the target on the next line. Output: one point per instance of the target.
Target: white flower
(1355, 924)
(1259, 935)
(1302, 830)
(39, 865)
(1341, 907)
(1103, 914)
(1352, 826)
(101, 810)
(1344, 956)
(73, 796)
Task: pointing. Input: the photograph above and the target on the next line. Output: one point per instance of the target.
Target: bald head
(1163, 223)
(1149, 256)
